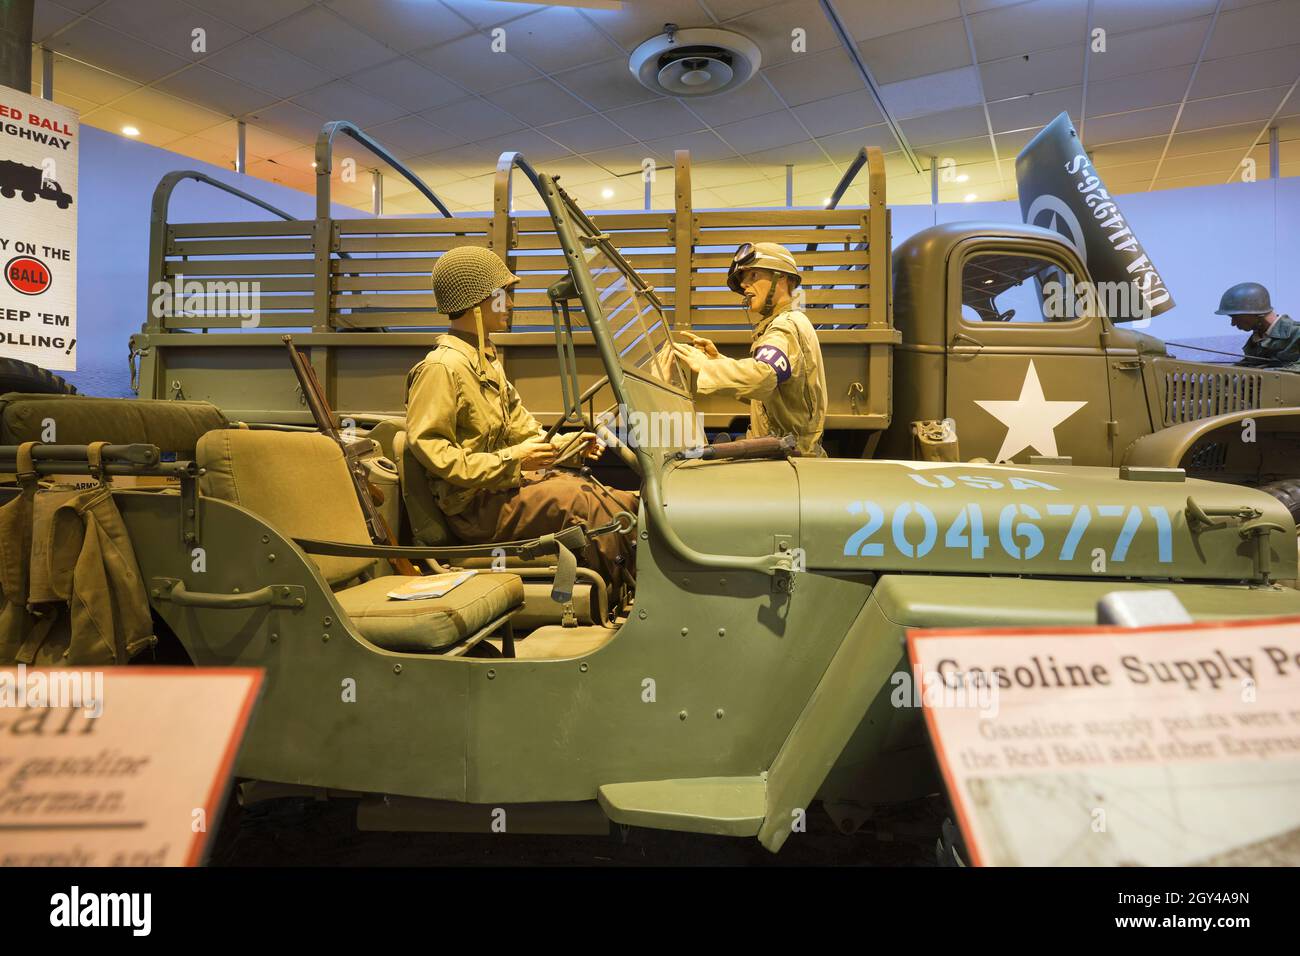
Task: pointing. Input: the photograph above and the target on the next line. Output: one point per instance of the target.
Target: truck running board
(730, 806)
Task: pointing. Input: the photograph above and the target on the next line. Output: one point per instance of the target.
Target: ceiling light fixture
(970, 197)
(694, 62)
(607, 193)
(130, 131)
(962, 178)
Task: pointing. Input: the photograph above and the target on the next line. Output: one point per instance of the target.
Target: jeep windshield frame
(644, 374)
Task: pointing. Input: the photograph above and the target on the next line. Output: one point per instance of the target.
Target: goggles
(739, 262)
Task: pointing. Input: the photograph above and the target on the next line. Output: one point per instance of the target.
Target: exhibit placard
(117, 766)
(38, 230)
(1174, 745)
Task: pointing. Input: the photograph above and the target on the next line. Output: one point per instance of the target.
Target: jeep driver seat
(299, 483)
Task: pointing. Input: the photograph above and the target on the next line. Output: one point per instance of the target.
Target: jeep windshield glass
(635, 321)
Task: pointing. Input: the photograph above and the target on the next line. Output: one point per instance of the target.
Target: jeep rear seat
(299, 482)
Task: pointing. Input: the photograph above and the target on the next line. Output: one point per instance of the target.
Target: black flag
(1060, 190)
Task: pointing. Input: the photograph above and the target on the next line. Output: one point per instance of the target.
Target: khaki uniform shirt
(783, 379)
(461, 420)
(1281, 343)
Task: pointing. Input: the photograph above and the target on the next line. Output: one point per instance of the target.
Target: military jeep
(747, 677)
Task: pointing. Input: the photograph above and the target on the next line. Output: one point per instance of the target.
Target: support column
(241, 151)
(16, 44)
(377, 191)
(47, 73)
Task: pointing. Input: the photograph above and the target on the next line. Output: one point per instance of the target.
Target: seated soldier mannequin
(480, 447)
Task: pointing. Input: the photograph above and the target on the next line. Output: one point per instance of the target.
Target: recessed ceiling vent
(698, 62)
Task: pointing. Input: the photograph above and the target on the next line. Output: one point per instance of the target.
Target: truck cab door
(1025, 374)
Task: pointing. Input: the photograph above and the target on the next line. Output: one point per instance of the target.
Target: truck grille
(1190, 396)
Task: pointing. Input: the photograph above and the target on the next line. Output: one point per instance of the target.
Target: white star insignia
(1031, 419)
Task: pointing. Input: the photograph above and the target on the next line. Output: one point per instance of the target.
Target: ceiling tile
(112, 121)
(574, 172)
(930, 49)
(962, 152)
(939, 127)
(1010, 144)
(627, 160)
(867, 21)
(490, 13)
(48, 17)
(661, 117)
(727, 172)
(1221, 161)
(803, 152)
(434, 172)
(86, 82)
(763, 193)
(115, 51)
(762, 132)
(1130, 151)
(1238, 137)
(1148, 50)
(538, 102)
(606, 85)
(635, 23)
(168, 25)
(934, 93)
(327, 40)
(1132, 125)
(1260, 27)
(1028, 27)
(403, 26)
(797, 84)
(341, 100)
(153, 107)
(290, 119)
(411, 136)
(473, 119)
(1118, 178)
(261, 65)
(587, 134)
(533, 38)
(1140, 91)
(835, 114)
(843, 147)
(197, 148)
(472, 64)
(1124, 16)
(704, 146)
(251, 15)
(752, 99)
(200, 85)
(409, 85)
(537, 148)
(772, 31)
(1247, 71)
(1237, 108)
(1037, 110)
(1033, 72)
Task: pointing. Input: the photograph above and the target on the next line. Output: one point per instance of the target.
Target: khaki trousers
(546, 505)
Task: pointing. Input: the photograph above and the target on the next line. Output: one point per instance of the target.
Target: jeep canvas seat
(299, 482)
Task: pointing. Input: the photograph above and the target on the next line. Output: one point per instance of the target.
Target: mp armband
(772, 356)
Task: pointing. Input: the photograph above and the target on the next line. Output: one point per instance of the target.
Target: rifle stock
(368, 495)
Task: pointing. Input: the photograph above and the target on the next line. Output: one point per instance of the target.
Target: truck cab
(1004, 332)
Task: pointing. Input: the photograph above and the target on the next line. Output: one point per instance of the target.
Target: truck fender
(1169, 447)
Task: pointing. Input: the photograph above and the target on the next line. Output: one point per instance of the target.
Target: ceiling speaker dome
(700, 62)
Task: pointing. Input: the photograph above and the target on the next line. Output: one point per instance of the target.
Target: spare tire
(1286, 491)
(16, 376)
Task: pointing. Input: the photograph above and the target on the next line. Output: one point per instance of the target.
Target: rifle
(367, 494)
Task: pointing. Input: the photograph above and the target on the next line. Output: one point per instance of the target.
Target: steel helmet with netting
(466, 275)
(762, 255)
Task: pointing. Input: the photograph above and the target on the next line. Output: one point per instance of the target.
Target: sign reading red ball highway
(38, 231)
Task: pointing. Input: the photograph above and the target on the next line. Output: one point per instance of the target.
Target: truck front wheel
(7, 192)
(1286, 491)
(28, 196)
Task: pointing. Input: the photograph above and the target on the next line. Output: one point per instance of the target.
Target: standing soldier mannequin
(1274, 338)
(783, 379)
(468, 428)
